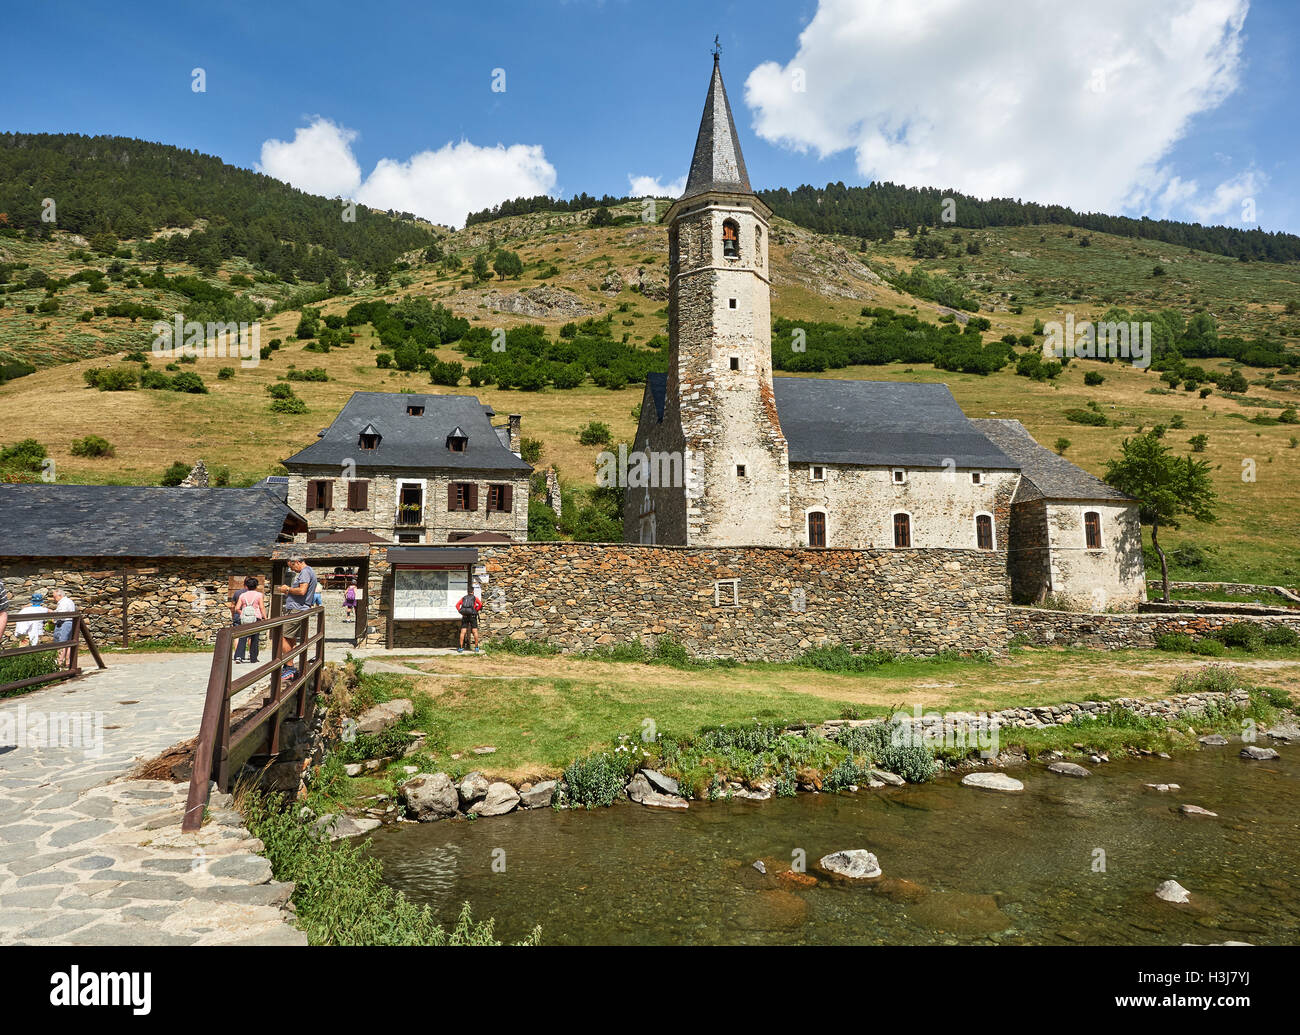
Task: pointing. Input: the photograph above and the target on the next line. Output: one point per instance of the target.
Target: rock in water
(472, 789)
(662, 784)
(1196, 810)
(1214, 740)
(892, 779)
(640, 791)
(1163, 787)
(1069, 769)
(1172, 891)
(430, 796)
(1287, 731)
(538, 796)
(853, 863)
(758, 865)
(500, 799)
(992, 782)
(1259, 754)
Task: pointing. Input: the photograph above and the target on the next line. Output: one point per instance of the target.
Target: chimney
(515, 447)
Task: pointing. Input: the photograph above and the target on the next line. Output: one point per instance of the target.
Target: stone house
(143, 562)
(727, 455)
(413, 469)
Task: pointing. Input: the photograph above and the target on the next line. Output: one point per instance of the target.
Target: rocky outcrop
(384, 716)
(542, 302)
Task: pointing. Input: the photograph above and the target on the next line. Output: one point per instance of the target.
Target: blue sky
(1183, 108)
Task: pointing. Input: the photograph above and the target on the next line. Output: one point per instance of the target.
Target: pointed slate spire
(717, 164)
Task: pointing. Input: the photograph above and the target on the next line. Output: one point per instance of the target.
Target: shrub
(1089, 417)
(290, 405)
(116, 379)
(1281, 636)
(1209, 648)
(595, 433)
(175, 474)
(225, 373)
(1093, 378)
(154, 379)
(280, 390)
(189, 381)
(596, 780)
(92, 445)
(531, 450)
(1212, 679)
(1199, 442)
(1175, 642)
(311, 374)
(1240, 634)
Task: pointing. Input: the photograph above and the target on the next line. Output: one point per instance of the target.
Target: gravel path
(87, 858)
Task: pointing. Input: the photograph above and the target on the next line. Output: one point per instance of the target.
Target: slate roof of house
(717, 164)
(141, 521)
(407, 441)
(1044, 474)
(872, 423)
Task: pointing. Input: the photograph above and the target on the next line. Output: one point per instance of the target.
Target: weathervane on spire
(717, 49)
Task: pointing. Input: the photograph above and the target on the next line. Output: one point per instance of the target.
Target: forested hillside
(110, 188)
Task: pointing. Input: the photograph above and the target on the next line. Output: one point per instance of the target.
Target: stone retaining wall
(165, 597)
(1236, 588)
(1122, 631)
(579, 596)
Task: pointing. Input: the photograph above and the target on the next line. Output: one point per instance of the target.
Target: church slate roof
(1044, 474)
(872, 424)
(43, 521)
(411, 441)
(717, 164)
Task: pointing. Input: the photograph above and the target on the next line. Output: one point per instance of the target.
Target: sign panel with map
(424, 594)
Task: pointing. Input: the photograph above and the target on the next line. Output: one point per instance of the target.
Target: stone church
(733, 456)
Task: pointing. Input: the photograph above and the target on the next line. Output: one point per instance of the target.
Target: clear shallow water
(962, 866)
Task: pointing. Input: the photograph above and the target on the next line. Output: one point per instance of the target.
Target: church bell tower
(719, 389)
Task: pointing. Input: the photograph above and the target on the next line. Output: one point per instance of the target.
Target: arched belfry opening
(730, 239)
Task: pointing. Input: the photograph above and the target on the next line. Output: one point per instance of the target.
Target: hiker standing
(297, 597)
(468, 607)
(250, 607)
(63, 630)
(32, 628)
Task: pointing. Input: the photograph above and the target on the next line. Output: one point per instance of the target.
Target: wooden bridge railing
(218, 744)
(71, 670)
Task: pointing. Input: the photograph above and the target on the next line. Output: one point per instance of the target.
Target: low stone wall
(1245, 589)
(1210, 607)
(578, 596)
(164, 597)
(1122, 631)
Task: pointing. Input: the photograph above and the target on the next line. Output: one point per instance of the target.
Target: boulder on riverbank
(992, 782)
(472, 789)
(851, 864)
(1259, 754)
(538, 796)
(640, 791)
(430, 796)
(383, 717)
(499, 799)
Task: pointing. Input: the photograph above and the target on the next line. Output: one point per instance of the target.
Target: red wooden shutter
(311, 495)
(507, 498)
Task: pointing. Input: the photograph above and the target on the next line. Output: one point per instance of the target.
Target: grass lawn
(541, 713)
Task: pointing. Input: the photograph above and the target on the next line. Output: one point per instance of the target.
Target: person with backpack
(250, 606)
(468, 607)
(350, 602)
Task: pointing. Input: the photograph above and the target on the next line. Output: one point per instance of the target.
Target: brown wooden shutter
(311, 495)
(363, 495)
(328, 502)
(507, 498)
(471, 491)
(451, 496)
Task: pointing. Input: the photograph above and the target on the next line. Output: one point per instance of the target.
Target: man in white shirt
(63, 630)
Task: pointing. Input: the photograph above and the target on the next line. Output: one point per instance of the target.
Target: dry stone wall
(748, 603)
(1124, 631)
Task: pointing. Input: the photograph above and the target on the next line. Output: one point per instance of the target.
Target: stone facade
(168, 597)
(434, 522)
(1124, 631)
(859, 504)
(1050, 557)
(748, 603)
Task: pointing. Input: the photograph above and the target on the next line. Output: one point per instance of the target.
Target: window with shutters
(462, 496)
(1092, 529)
(320, 495)
(984, 531)
(902, 531)
(499, 499)
(358, 495)
(731, 239)
(410, 504)
(816, 528)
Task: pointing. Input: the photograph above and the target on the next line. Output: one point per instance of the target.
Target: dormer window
(731, 239)
(415, 410)
(457, 441)
(369, 438)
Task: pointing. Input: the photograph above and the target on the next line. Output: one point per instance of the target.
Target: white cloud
(442, 186)
(1232, 202)
(318, 160)
(1068, 103)
(652, 187)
